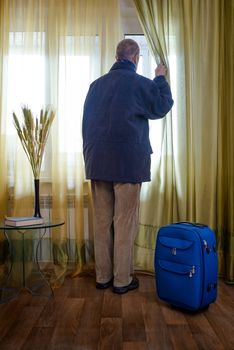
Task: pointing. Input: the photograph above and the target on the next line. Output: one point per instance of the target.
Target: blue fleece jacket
(115, 126)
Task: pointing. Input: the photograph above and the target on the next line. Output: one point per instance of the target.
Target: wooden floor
(81, 317)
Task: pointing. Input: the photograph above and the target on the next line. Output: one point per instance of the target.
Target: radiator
(45, 253)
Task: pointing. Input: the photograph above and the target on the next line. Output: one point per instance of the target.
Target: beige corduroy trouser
(116, 215)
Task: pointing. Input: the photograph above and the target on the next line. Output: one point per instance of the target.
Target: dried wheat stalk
(33, 134)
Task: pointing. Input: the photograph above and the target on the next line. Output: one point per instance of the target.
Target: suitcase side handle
(196, 224)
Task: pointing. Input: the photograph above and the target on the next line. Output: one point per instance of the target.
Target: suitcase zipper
(173, 251)
(192, 272)
(206, 247)
(183, 270)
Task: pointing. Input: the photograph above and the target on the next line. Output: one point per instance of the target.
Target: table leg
(24, 269)
(42, 286)
(9, 290)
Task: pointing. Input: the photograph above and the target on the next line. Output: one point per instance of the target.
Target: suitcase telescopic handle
(196, 224)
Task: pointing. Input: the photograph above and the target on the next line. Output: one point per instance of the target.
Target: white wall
(129, 18)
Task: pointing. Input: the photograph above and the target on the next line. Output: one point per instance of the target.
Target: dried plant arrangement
(33, 134)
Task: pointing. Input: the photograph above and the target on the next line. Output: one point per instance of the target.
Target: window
(74, 75)
(37, 82)
(26, 85)
(26, 77)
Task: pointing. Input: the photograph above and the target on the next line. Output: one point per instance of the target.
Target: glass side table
(23, 269)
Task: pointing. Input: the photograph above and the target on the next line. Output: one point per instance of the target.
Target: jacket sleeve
(158, 99)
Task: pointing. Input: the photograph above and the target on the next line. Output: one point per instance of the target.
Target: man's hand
(160, 70)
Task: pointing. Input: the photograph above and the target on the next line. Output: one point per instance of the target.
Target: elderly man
(117, 154)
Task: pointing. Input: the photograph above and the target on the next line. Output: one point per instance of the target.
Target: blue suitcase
(186, 265)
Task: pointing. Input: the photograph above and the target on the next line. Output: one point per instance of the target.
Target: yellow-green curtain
(155, 31)
(225, 183)
(3, 156)
(159, 199)
(63, 46)
(201, 136)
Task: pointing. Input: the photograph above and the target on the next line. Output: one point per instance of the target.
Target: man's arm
(163, 102)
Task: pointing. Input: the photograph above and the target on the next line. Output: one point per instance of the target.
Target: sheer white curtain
(50, 52)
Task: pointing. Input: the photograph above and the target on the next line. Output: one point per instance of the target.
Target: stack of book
(23, 221)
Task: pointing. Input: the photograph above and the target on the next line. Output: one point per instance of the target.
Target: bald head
(128, 49)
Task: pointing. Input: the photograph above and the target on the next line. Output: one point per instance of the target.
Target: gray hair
(127, 49)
